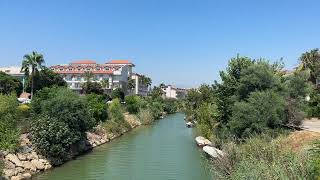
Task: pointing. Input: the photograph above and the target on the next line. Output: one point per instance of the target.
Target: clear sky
(182, 42)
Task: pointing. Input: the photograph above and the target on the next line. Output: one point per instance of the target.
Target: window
(70, 69)
(79, 69)
(60, 69)
(88, 69)
(98, 69)
(107, 68)
(7, 71)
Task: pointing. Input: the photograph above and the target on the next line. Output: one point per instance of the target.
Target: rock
(48, 166)
(25, 149)
(18, 177)
(29, 166)
(14, 159)
(9, 165)
(9, 172)
(26, 176)
(32, 155)
(39, 165)
(19, 170)
(22, 157)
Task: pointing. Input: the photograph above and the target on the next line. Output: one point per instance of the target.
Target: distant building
(140, 88)
(114, 73)
(174, 92)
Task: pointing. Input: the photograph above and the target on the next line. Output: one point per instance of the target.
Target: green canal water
(163, 151)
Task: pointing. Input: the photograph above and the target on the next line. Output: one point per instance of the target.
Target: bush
(133, 104)
(262, 110)
(9, 84)
(115, 127)
(206, 116)
(92, 87)
(145, 116)
(156, 108)
(117, 94)
(97, 107)
(9, 117)
(170, 106)
(261, 158)
(62, 120)
(115, 110)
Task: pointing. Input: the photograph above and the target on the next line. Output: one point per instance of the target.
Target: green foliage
(314, 103)
(261, 111)
(97, 106)
(261, 158)
(170, 106)
(133, 104)
(207, 118)
(156, 93)
(60, 121)
(145, 116)
(115, 111)
(9, 84)
(9, 117)
(311, 61)
(156, 108)
(92, 87)
(117, 94)
(45, 78)
(116, 127)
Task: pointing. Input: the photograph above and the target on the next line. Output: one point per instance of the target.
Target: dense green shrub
(9, 84)
(262, 110)
(156, 108)
(170, 106)
(97, 106)
(115, 110)
(145, 116)
(116, 127)
(61, 120)
(261, 158)
(92, 87)
(118, 94)
(9, 117)
(133, 104)
(206, 116)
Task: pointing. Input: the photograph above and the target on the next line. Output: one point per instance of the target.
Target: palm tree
(34, 63)
(88, 75)
(146, 81)
(104, 83)
(311, 61)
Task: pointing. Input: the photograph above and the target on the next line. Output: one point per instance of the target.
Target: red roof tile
(119, 62)
(84, 62)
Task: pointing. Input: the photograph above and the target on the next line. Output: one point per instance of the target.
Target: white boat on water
(189, 124)
(201, 141)
(213, 152)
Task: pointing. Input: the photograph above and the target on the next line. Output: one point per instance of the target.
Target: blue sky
(182, 42)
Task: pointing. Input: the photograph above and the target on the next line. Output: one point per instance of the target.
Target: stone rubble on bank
(26, 162)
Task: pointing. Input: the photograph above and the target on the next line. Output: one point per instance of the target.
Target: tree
(97, 106)
(131, 84)
(115, 111)
(34, 63)
(9, 84)
(311, 61)
(146, 81)
(92, 87)
(46, 78)
(117, 94)
(88, 75)
(156, 93)
(105, 83)
(133, 104)
(261, 111)
(60, 121)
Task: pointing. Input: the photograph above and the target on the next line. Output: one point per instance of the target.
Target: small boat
(189, 124)
(213, 152)
(201, 141)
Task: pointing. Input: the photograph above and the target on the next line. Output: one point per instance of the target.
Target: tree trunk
(32, 82)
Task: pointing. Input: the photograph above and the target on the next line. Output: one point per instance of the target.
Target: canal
(163, 151)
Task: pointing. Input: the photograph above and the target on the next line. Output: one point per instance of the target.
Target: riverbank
(26, 162)
(147, 152)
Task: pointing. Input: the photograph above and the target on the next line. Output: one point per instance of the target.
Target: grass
(262, 157)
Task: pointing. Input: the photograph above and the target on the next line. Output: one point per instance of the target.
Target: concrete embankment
(27, 162)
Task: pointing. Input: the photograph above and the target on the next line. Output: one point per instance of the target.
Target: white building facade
(140, 88)
(174, 92)
(112, 75)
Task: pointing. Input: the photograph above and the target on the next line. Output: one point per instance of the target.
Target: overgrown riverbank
(60, 124)
(250, 113)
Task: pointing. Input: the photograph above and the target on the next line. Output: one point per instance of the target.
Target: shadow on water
(165, 150)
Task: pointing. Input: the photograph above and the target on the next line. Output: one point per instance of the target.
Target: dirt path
(312, 124)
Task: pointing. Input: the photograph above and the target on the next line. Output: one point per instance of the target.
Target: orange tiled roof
(84, 62)
(119, 62)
